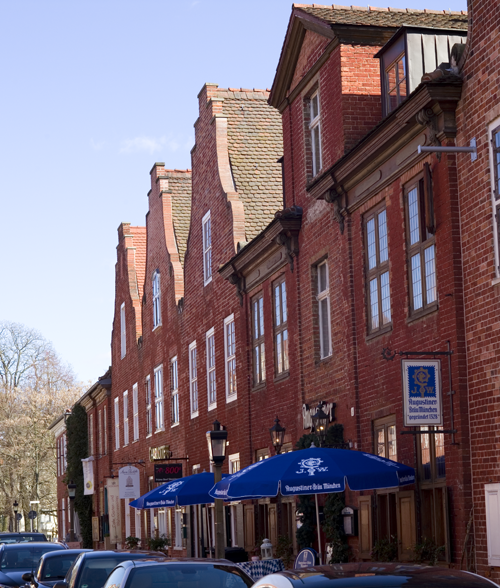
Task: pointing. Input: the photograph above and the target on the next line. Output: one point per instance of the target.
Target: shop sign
(422, 396)
(130, 482)
(159, 453)
(114, 510)
(166, 472)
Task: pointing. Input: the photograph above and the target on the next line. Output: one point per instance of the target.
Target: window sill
(383, 331)
(324, 360)
(149, 435)
(282, 376)
(206, 282)
(231, 398)
(422, 313)
(125, 445)
(156, 328)
(194, 415)
(212, 406)
(495, 282)
(135, 440)
(159, 431)
(261, 386)
(178, 548)
(174, 425)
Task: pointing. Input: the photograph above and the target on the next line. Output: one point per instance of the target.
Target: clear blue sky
(93, 93)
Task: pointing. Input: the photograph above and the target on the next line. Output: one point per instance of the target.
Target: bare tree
(35, 388)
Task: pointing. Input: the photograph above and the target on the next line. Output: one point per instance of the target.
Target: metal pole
(72, 515)
(220, 551)
(319, 534)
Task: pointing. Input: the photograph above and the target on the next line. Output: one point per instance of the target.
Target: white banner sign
(423, 402)
(88, 475)
(114, 510)
(130, 482)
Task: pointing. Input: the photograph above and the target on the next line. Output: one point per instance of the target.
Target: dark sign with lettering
(167, 472)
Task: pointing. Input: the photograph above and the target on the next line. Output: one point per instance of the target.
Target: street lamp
(15, 505)
(72, 494)
(320, 422)
(277, 433)
(217, 440)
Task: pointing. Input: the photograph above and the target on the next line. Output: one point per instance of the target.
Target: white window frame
(229, 358)
(315, 126)
(159, 396)
(127, 517)
(196, 469)
(123, 331)
(492, 503)
(156, 286)
(138, 531)
(125, 419)
(178, 529)
(194, 397)
(99, 432)
(234, 463)
(495, 201)
(135, 410)
(149, 408)
(117, 423)
(206, 233)
(324, 295)
(174, 392)
(91, 434)
(105, 429)
(211, 377)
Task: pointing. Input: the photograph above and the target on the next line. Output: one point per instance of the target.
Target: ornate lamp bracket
(334, 196)
(238, 281)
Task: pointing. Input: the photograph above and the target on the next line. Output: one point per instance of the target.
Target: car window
(73, 572)
(23, 557)
(183, 575)
(56, 568)
(116, 577)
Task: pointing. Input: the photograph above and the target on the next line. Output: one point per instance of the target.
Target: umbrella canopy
(317, 470)
(183, 492)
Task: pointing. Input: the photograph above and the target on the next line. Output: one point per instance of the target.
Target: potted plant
(132, 542)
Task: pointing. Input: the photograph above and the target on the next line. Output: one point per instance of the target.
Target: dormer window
(395, 83)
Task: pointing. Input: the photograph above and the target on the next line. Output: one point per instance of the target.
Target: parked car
(372, 574)
(21, 537)
(91, 569)
(18, 558)
(178, 573)
(52, 567)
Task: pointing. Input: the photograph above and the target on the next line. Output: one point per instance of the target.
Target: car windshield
(23, 557)
(96, 570)
(55, 568)
(184, 575)
(21, 538)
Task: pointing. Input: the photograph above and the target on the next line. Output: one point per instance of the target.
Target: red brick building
(250, 295)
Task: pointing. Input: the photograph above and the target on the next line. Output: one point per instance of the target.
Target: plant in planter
(132, 542)
(284, 550)
(158, 543)
(427, 551)
(385, 549)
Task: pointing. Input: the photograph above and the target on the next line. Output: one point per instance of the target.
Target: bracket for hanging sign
(472, 149)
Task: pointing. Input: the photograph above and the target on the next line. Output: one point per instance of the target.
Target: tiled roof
(385, 17)
(139, 243)
(255, 144)
(179, 183)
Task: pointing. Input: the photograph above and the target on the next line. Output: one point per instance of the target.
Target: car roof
(110, 552)
(32, 544)
(57, 552)
(368, 574)
(191, 560)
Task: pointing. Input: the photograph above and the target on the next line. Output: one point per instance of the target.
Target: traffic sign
(32, 514)
(19, 516)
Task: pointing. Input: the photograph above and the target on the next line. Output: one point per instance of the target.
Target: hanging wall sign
(423, 402)
(130, 482)
(166, 472)
(88, 475)
(114, 510)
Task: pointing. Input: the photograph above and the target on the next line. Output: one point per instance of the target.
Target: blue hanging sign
(422, 397)
(306, 558)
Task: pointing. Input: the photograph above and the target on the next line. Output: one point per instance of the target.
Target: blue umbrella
(183, 492)
(317, 470)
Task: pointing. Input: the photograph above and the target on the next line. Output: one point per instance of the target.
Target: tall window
(117, 423)
(149, 410)
(395, 83)
(156, 299)
(385, 438)
(234, 463)
(207, 248)
(211, 382)
(193, 379)
(65, 453)
(315, 132)
(174, 386)
(125, 418)
(259, 355)
(422, 251)
(325, 335)
(123, 331)
(99, 429)
(432, 455)
(230, 357)
(105, 429)
(377, 250)
(91, 434)
(159, 398)
(280, 326)
(135, 408)
(495, 185)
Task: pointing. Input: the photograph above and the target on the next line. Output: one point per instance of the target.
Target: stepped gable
(179, 182)
(140, 239)
(255, 144)
(385, 17)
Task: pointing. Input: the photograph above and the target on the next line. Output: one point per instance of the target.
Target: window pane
(440, 459)
(413, 214)
(416, 279)
(381, 443)
(257, 365)
(315, 133)
(279, 351)
(256, 319)
(322, 277)
(430, 274)
(277, 305)
(382, 237)
(374, 303)
(314, 107)
(325, 330)
(283, 302)
(261, 315)
(262, 362)
(285, 350)
(426, 454)
(391, 442)
(386, 298)
(372, 250)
